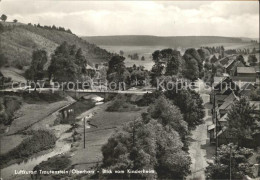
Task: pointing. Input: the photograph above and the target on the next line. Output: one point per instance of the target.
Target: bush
(122, 104)
(8, 105)
(40, 140)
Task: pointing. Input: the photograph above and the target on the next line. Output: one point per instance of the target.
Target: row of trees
(241, 51)
(213, 50)
(51, 28)
(117, 72)
(68, 64)
(169, 62)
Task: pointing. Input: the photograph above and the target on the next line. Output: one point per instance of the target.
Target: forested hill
(171, 41)
(19, 40)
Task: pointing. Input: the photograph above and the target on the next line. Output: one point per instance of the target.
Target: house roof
(226, 61)
(247, 86)
(222, 131)
(230, 62)
(256, 103)
(244, 79)
(218, 80)
(212, 126)
(223, 118)
(257, 68)
(246, 70)
(228, 101)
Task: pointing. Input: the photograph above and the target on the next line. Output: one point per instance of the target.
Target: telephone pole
(84, 132)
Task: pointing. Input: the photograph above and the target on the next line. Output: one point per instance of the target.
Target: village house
(246, 72)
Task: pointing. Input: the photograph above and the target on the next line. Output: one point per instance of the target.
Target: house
(246, 89)
(1, 79)
(223, 109)
(257, 109)
(229, 63)
(246, 72)
(222, 88)
(232, 70)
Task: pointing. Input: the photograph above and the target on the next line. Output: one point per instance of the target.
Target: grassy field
(14, 73)
(32, 113)
(106, 123)
(10, 142)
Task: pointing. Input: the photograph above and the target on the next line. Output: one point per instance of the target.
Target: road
(138, 91)
(200, 150)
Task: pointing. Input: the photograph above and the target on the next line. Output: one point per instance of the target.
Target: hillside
(171, 41)
(19, 40)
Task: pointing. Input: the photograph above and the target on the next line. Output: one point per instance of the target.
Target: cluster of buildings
(238, 81)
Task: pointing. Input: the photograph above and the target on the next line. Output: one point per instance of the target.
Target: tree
(117, 71)
(191, 53)
(156, 72)
(80, 60)
(241, 121)
(143, 59)
(204, 53)
(138, 76)
(3, 17)
(121, 53)
(231, 159)
(3, 60)
(252, 60)
(190, 104)
(168, 114)
(15, 20)
(169, 57)
(66, 66)
(241, 59)
(139, 145)
(2, 28)
(172, 67)
(36, 70)
(213, 59)
(191, 69)
(254, 50)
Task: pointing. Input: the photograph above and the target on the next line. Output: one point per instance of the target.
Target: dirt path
(200, 150)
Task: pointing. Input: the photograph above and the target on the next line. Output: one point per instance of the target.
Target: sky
(159, 18)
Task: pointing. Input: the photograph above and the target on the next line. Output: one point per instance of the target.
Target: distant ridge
(170, 41)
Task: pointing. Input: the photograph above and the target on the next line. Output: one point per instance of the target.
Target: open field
(10, 142)
(14, 73)
(29, 114)
(106, 123)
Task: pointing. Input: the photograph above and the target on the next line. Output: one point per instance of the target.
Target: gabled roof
(230, 62)
(212, 126)
(255, 103)
(242, 78)
(247, 87)
(223, 119)
(228, 101)
(218, 80)
(246, 70)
